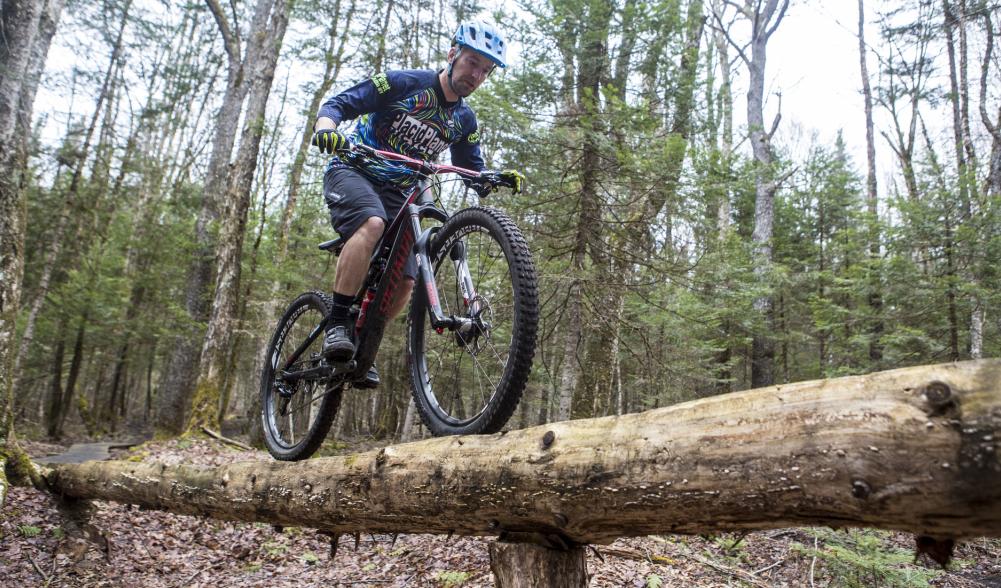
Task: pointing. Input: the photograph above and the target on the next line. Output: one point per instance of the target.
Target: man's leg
(356, 213)
(352, 264)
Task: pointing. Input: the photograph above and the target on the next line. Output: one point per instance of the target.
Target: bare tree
(764, 18)
(875, 297)
(258, 69)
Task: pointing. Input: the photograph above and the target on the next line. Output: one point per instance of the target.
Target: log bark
(913, 449)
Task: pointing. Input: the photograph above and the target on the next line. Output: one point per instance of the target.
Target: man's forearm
(324, 123)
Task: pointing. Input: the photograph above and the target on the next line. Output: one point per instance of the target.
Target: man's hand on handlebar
(489, 180)
(331, 141)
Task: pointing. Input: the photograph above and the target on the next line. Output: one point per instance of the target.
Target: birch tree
(27, 27)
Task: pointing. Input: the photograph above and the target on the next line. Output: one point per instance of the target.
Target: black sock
(340, 311)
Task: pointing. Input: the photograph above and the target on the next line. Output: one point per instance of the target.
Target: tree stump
(526, 565)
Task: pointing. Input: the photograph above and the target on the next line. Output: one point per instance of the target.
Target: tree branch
(775, 25)
(229, 40)
(994, 129)
(778, 117)
(722, 28)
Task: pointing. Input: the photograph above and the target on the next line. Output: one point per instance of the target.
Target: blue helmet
(483, 39)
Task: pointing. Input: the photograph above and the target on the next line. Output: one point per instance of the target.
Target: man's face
(469, 70)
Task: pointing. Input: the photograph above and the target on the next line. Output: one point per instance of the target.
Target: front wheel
(469, 381)
(297, 403)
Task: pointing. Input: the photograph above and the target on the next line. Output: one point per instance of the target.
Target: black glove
(330, 141)
(483, 185)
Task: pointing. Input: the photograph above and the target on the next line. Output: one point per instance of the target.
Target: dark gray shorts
(353, 198)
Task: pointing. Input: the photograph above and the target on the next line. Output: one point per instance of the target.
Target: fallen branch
(232, 442)
(914, 450)
(38, 569)
(768, 567)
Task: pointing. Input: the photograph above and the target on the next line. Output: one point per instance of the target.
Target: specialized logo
(381, 83)
(418, 135)
(474, 137)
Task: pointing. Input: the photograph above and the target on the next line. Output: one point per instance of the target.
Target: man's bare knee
(372, 228)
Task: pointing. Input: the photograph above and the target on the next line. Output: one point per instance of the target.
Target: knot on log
(861, 489)
(547, 439)
(940, 399)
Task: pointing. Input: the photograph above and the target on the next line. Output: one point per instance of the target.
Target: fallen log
(913, 449)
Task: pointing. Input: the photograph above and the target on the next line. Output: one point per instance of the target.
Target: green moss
(451, 579)
(205, 407)
(19, 469)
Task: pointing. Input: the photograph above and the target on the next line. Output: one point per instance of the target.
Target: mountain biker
(417, 113)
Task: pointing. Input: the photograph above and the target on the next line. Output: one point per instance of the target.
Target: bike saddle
(334, 246)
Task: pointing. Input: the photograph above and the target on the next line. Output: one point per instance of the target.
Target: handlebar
(424, 167)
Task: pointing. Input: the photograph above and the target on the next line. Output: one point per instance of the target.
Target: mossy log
(913, 449)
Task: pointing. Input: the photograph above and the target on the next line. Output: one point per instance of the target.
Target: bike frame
(386, 274)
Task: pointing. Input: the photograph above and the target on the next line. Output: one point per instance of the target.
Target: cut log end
(526, 565)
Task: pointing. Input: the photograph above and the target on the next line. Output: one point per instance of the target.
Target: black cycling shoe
(337, 345)
(371, 379)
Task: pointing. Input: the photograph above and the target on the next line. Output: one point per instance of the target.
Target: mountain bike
(471, 326)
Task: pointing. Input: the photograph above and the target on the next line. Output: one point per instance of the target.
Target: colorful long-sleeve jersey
(406, 112)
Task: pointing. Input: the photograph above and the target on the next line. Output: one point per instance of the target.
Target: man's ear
(451, 54)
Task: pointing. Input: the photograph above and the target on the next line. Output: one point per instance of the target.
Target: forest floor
(157, 549)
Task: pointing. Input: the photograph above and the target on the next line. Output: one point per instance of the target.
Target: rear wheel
(297, 406)
(470, 380)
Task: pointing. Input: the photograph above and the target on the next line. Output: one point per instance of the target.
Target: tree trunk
(176, 387)
(26, 27)
(262, 57)
(526, 565)
(914, 449)
(591, 74)
(74, 374)
(19, 22)
(378, 63)
(875, 297)
(764, 18)
(56, 390)
(571, 344)
(992, 181)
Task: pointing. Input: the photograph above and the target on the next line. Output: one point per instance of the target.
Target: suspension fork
(425, 272)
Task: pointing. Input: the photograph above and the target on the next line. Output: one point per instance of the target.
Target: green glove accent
(330, 141)
(512, 179)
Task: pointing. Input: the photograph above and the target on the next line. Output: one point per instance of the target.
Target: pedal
(346, 367)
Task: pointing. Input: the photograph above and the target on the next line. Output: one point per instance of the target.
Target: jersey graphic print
(405, 111)
(418, 126)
